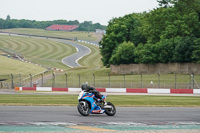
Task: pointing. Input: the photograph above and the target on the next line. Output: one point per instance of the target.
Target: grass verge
(91, 36)
(130, 100)
(46, 52)
(8, 66)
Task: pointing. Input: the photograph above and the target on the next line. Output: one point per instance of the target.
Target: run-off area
(102, 127)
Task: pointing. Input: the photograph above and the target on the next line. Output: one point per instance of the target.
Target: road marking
(90, 128)
(77, 49)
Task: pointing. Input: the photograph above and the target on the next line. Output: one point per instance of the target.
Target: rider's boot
(100, 102)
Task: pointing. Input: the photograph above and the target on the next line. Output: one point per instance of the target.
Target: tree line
(169, 33)
(22, 23)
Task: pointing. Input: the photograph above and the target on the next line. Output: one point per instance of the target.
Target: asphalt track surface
(127, 119)
(72, 60)
(69, 114)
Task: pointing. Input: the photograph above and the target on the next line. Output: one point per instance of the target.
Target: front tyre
(83, 108)
(110, 111)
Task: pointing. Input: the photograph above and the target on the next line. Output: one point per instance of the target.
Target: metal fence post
(12, 81)
(158, 80)
(132, 85)
(53, 79)
(79, 79)
(94, 79)
(20, 80)
(66, 79)
(175, 80)
(30, 80)
(42, 80)
(124, 80)
(1, 86)
(141, 82)
(192, 75)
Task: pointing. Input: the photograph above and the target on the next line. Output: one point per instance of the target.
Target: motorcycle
(89, 104)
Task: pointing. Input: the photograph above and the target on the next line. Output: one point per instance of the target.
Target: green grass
(130, 100)
(93, 60)
(11, 66)
(15, 67)
(71, 35)
(37, 100)
(41, 51)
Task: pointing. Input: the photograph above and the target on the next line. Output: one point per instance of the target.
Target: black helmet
(84, 87)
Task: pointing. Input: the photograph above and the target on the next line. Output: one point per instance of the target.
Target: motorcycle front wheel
(110, 111)
(83, 108)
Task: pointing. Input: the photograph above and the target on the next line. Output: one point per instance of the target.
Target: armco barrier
(136, 90)
(101, 89)
(116, 90)
(188, 91)
(196, 91)
(59, 89)
(161, 91)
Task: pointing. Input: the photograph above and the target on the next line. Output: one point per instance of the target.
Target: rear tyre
(83, 108)
(110, 111)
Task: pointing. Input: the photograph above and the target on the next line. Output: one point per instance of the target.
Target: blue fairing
(90, 98)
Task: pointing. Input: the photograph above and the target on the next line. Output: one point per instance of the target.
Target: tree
(119, 30)
(14, 23)
(8, 18)
(183, 49)
(2, 21)
(146, 53)
(165, 3)
(156, 22)
(124, 54)
(169, 33)
(181, 18)
(166, 50)
(196, 51)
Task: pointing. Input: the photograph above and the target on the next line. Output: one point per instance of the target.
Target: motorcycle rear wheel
(83, 108)
(112, 111)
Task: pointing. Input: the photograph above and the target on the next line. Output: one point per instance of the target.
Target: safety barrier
(116, 90)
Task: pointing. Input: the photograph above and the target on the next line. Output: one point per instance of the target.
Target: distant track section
(72, 60)
(30, 35)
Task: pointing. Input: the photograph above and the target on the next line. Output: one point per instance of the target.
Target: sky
(97, 11)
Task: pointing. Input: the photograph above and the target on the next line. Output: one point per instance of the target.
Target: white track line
(83, 55)
(76, 61)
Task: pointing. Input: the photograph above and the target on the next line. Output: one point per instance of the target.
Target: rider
(91, 89)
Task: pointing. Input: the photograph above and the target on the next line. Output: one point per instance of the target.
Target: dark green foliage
(14, 23)
(166, 50)
(170, 33)
(124, 54)
(196, 51)
(146, 54)
(119, 30)
(183, 50)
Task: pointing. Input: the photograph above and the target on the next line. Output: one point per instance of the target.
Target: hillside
(11, 66)
(87, 36)
(46, 52)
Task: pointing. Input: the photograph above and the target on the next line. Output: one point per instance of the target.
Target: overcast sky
(82, 10)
